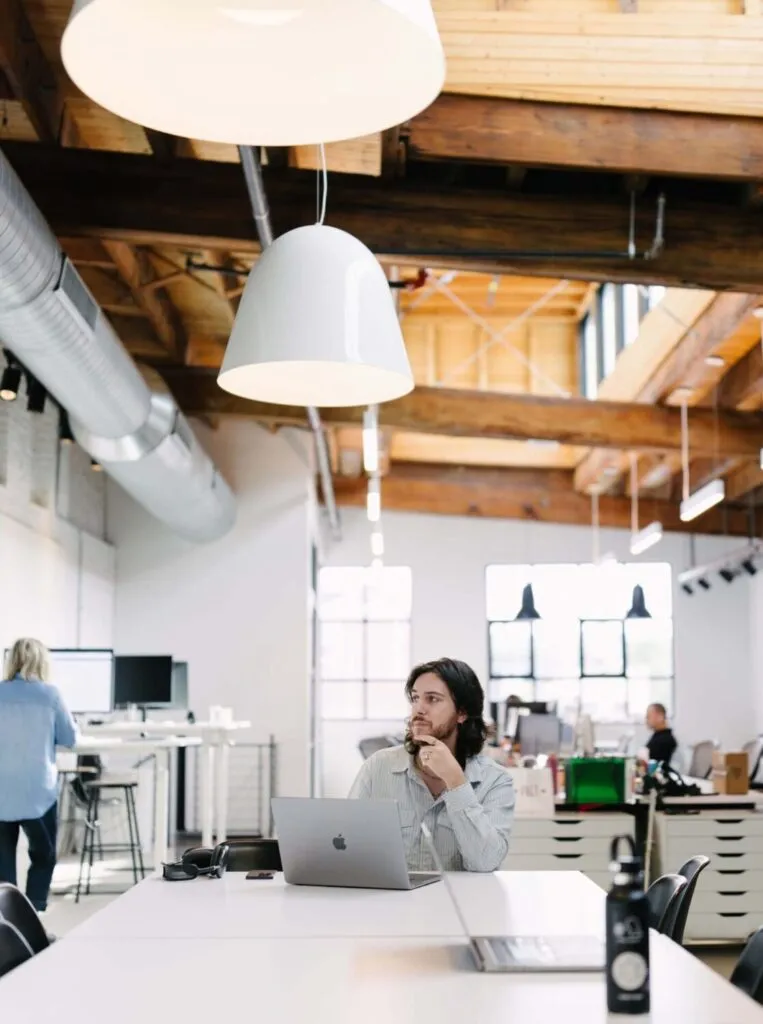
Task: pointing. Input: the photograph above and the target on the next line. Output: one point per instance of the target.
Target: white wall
(755, 585)
(714, 689)
(237, 609)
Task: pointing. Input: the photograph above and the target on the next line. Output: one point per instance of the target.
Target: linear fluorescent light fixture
(371, 439)
(646, 538)
(703, 499)
(373, 501)
(377, 544)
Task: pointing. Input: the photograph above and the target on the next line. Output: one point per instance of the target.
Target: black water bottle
(627, 933)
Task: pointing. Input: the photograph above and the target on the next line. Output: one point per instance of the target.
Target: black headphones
(198, 860)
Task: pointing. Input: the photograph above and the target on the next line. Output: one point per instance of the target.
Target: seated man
(662, 743)
(439, 776)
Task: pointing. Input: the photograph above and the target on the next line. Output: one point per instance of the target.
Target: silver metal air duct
(52, 323)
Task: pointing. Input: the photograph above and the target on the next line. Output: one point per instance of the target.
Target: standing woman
(33, 722)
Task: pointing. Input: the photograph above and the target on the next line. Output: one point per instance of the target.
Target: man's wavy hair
(469, 698)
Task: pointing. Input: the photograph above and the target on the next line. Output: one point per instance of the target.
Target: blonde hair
(28, 658)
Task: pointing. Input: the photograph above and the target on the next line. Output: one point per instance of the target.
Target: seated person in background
(662, 743)
(439, 776)
(33, 722)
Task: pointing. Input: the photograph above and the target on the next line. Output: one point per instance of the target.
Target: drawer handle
(728, 821)
(730, 871)
(567, 856)
(729, 855)
(567, 824)
(729, 913)
(729, 839)
(732, 892)
(567, 839)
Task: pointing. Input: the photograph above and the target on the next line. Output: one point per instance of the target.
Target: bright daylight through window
(584, 649)
(365, 642)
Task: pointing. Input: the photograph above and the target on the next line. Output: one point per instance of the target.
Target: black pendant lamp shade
(528, 609)
(638, 609)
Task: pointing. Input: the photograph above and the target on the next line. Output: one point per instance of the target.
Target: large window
(364, 642)
(584, 650)
(610, 325)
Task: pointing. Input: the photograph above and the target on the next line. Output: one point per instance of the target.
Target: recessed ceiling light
(715, 361)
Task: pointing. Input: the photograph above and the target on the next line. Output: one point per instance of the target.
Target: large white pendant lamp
(317, 326)
(261, 72)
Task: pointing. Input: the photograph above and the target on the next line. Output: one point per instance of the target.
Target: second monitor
(142, 679)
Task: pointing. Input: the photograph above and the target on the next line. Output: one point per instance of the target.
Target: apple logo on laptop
(339, 842)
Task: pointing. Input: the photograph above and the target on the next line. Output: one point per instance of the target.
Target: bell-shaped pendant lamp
(317, 326)
(528, 609)
(638, 608)
(257, 72)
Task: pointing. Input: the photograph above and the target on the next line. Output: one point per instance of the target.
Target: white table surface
(337, 981)
(510, 902)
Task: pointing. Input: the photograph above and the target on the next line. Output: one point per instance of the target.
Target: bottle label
(629, 971)
(629, 931)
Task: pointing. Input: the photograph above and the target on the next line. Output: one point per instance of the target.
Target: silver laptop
(352, 843)
(525, 953)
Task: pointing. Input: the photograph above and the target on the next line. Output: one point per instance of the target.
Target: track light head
(686, 588)
(36, 396)
(703, 583)
(726, 574)
(749, 566)
(10, 382)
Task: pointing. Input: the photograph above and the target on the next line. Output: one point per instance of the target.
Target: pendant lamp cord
(634, 493)
(321, 194)
(685, 449)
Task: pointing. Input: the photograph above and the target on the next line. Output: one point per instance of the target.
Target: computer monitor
(143, 679)
(84, 678)
(540, 734)
(180, 684)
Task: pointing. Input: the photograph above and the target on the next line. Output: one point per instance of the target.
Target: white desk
(215, 740)
(163, 749)
(563, 902)
(343, 980)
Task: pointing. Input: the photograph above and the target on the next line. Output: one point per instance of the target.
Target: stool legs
(93, 845)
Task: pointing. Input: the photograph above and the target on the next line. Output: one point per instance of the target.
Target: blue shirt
(33, 722)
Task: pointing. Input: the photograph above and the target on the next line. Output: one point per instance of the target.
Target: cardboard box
(731, 773)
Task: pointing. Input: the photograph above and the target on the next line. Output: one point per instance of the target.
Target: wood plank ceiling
(503, 208)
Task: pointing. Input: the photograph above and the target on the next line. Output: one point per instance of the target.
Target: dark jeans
(41, 836)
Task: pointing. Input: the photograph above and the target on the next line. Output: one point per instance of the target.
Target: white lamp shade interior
(317, 326)
(263, 72)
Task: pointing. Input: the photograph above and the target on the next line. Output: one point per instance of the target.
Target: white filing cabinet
(728, 901)
(570, 841)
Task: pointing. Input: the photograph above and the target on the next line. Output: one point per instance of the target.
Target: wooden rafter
(158, 309)
(29, 76)
(197, 204)
(463, 413)
(532, 134)
(544, 495)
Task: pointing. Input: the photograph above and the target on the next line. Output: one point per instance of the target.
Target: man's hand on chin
(437, 759)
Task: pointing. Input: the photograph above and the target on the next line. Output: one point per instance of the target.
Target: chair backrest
(90, 769)
(374, 744)
(748, 972)
(253, 855)
(679, 912)
(21, 932)
(701, 760)
(661, 896)
(754, 750)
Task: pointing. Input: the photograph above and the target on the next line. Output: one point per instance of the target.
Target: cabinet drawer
(718, 878)
(690, 826)
(549, 862)
(604, 825)
(722, 926)
(728, 901)
(553, 845)
(679, 850)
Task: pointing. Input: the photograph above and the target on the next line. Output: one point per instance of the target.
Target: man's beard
(443, 733)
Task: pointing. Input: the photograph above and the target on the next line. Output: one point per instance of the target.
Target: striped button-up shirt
(470, 825)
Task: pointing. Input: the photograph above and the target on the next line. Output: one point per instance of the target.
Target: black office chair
(252, 855)
(675, 925)
(748, 973)
(662, 896)
(22, 935)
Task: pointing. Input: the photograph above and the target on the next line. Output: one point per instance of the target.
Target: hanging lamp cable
(322, 185)
(685, 449)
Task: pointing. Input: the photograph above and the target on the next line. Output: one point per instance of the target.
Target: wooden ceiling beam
(461, 413)
(202, 204)
(533, 134)
(600, 470)
(157, 308)
(30, 78)
(508, 494)
(742, 387)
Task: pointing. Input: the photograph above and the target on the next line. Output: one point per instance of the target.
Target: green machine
(596, 780)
